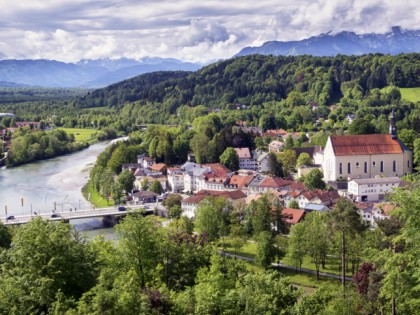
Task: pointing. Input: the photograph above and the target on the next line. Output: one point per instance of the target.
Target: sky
(189, 30)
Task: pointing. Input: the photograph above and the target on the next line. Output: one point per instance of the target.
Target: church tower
(393, 126)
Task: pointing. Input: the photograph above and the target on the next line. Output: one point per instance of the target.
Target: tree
(5, 236)
(288, 160)
(156, 187)
(106, 183)
(172, 200)
(293, 204)
(314, 180)
(275, 166)
(296, 250)
(361, 126)
(316, 239)
(303, 159)
(175, 212)
(144, 184)
(209, 218)
(45, 259)
(345, 220)
(261, 218)
(408, 136)
(416, 153)
(230, 159)
(139, 246)
(126, 180)
(265, 249)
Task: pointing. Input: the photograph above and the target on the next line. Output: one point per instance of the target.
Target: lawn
(410, 94)
(95, 198)
(332, 264)
(82, 135)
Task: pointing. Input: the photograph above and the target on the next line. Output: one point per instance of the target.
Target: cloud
(192, 30)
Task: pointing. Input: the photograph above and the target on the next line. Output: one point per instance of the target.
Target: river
(57, 182)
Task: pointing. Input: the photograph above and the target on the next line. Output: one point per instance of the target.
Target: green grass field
(82, 135)
(410, 94)
(95, 198)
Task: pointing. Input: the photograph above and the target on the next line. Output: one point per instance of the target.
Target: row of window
(365, 166)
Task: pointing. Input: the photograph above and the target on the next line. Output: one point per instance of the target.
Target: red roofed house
(293, 216)
(189, 205)
(365, 156)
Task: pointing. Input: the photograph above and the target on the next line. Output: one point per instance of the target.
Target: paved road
(304, 270)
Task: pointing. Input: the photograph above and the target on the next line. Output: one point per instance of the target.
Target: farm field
(82, 135)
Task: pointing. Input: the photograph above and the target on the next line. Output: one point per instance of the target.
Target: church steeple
(393, 126)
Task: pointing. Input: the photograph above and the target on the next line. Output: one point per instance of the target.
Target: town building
(246, 161)
(372, 189)
(365, 156)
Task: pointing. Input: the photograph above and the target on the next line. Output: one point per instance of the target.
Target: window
(366, 167)
(394, 166)
(348, 167)
(382, 166)
(341, 168)
(408, 163)
(374, 163)
(357, 164)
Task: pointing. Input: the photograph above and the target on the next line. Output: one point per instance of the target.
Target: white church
(365, 156)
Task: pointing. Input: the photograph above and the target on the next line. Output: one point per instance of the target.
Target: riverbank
(92, 196)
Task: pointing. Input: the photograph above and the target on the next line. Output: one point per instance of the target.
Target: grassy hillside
(410, 94)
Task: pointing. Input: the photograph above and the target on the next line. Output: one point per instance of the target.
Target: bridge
(106, 213)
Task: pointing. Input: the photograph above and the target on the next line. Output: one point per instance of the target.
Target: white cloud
(70, 30)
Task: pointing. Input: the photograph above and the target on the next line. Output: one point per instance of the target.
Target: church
(365, 156)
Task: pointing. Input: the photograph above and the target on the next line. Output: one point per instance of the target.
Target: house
(275, 146)
(371, 212)
(317, 196)
(372, 189)
(175, 179)
(246, 162)
(274, 184)
(189, 205)
(280, 133)
(145, 161)
(158, 168)
(293, 216)
(365, 156)
(239, 181)
(144, 197)
(263, 162)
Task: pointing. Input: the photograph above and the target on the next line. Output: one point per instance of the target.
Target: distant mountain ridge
(85, 73)
(345, 43)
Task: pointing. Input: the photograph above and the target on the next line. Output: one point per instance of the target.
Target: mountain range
(344, 43)
(85, 73)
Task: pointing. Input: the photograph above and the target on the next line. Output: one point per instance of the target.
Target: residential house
(275, 146)
(293, 216)
(246, 161)
(189, 205)
(144, 197)
(263, 161)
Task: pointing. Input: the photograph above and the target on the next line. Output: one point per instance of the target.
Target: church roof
(366, 144)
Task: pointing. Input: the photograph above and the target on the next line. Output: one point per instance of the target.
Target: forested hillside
(253, 80)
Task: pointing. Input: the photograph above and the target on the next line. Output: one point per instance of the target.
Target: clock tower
(392, 126)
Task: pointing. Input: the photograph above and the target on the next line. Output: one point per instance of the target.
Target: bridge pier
(109, 220)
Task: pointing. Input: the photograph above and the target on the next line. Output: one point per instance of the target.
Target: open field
(95, 198)
(410, 94)
(82, 135)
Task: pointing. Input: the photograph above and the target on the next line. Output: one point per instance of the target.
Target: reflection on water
(49, 184)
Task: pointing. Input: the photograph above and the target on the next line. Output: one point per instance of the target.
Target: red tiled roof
(158, 166)
(219, 169)
(272, 182)
(297, 186)
(365, 144)
(293, 216)
(240, 181)
(234, 195)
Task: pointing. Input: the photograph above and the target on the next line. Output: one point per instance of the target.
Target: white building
(246, 162)
(372, 189)
(365, 156)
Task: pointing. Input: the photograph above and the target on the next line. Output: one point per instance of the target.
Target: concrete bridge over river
(108, 215)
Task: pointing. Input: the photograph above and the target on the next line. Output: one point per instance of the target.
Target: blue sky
(192, 30)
